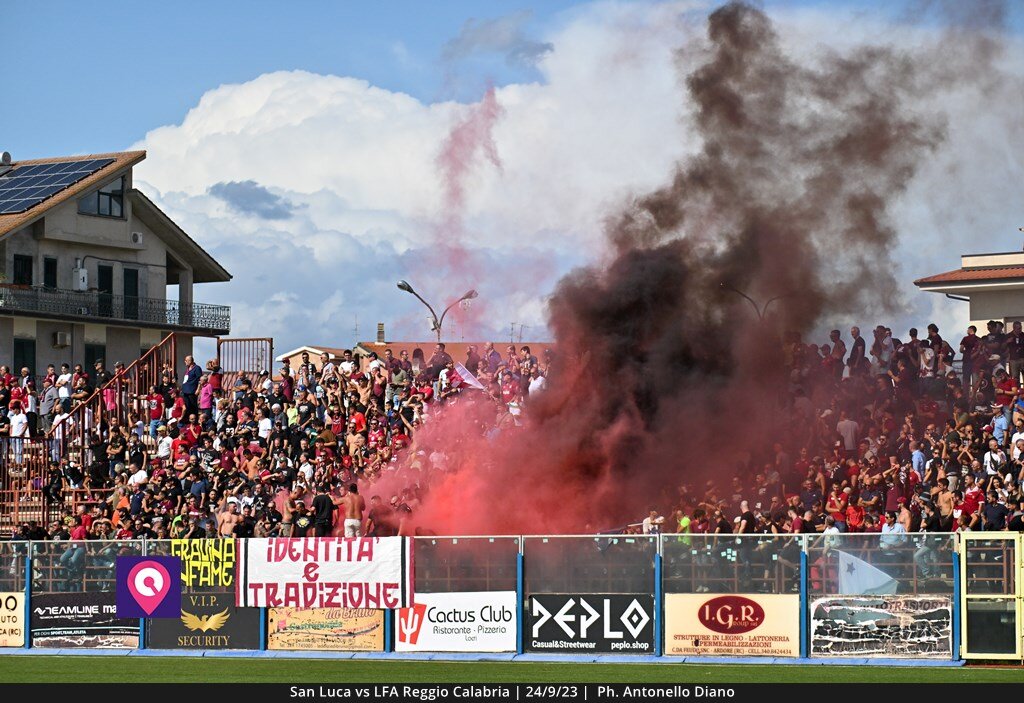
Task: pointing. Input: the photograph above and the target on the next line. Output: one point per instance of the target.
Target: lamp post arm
(433, 314)
(446, 311)
(764, 311)
(750, 300)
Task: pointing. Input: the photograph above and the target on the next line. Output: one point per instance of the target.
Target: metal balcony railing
(90, 305)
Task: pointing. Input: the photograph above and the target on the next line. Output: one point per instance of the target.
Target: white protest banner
(325, 572)
(459, 622)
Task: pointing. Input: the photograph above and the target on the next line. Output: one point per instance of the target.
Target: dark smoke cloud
(666, 374)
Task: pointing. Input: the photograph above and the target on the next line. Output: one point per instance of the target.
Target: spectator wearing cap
(190, 385)
(287, 384)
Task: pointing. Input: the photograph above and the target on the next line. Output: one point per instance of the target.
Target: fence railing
(825, 595)
(922, 564)
(89, 305)
(25, 490)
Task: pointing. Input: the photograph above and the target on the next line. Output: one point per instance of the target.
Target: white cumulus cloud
(348, 172)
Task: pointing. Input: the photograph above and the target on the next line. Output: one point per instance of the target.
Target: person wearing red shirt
(177, 407)
(1006, 388)
(973, 496)
(17, 394)
(969, 347)
(360, 420)
(154, 402)
(855, 517)
(836, 505)
(509, 388)
(79, 532)
(216, 374)
(375, 438)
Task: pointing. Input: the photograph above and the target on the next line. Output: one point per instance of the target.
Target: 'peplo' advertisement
(614, 623)
(209, 618)
(483, 621)
(752, 625)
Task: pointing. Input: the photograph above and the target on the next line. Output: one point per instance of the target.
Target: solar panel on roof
(25, 187)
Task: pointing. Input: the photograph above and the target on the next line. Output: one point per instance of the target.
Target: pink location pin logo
(149, 583)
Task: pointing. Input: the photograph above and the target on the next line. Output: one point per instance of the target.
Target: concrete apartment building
(87, 259)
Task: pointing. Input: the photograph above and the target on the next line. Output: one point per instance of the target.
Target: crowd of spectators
(271, 455)
(885, 435)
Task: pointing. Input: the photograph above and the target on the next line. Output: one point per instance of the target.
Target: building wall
(6, 339)
(123, 344)
(46, 353)
(65, 235)
(120, 343)
(183, 349)
(996, 305)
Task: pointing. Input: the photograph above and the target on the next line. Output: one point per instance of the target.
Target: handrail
(69, 438)
(111, 383)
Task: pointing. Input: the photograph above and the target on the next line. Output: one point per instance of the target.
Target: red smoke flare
(663, 376)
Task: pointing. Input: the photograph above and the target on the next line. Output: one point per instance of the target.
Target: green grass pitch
(95, 669)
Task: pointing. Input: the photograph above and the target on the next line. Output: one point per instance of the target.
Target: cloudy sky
(322, 150)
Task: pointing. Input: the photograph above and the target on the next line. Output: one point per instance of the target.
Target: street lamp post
(760, 310)
(436, 322)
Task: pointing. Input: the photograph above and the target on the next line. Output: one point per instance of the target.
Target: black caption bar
(414, 693)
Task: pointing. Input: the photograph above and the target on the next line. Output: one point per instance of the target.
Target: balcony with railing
(196, 318)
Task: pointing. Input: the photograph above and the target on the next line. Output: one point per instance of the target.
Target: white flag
(462, 375)
(857, 577)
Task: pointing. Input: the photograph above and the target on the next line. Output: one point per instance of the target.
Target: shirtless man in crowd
(354, 506)
(287, 513)
(228, 516)
(943, 498)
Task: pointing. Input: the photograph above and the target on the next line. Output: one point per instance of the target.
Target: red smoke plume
(448, 261)
(664, 376)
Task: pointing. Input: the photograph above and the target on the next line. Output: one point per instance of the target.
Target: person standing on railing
(64, 386)
(206, 395)
(19, 430)
(190, 385)
(49, 404)
(30, 401)
(103, 377)
(154, 403)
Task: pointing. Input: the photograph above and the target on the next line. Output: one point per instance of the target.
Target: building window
(92, 353)
(24, 355)
(108, 201)
(22, 270)
(50, 272)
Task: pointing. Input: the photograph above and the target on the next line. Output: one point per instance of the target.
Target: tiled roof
(975, 275)
(122, 159)
(457, 350)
